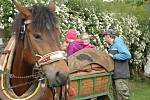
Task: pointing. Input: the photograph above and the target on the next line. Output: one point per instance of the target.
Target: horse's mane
(43, 20)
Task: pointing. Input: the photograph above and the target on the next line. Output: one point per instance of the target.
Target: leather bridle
(41, 60)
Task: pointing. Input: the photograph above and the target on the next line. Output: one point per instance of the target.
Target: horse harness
(39, 74)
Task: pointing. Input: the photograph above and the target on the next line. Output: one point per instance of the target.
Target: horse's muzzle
(61, 78)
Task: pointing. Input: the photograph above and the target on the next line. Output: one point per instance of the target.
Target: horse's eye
(37, 36)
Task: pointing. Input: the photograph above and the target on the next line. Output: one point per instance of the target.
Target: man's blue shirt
(123, 52)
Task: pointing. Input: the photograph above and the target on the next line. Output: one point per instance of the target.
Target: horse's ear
(23, 10)
(52, 5)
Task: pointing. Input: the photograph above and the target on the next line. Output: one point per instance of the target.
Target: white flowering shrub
(126, 26)
(134, 32)
(8, 11)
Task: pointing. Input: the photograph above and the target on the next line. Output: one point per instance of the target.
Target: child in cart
(74, 43)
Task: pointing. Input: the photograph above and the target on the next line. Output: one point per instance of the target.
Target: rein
(36, 76)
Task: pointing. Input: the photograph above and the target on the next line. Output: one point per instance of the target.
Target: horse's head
(39, 32)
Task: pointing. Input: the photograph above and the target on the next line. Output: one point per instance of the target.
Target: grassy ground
(139, 90)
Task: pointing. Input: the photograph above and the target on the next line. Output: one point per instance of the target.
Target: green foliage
(128, 6)
(6, 15)
(128, 19)
(8, 12)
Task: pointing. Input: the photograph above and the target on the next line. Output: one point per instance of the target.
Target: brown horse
(37, 56)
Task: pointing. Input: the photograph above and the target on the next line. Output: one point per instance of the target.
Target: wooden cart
(92, 70)
(92, 84)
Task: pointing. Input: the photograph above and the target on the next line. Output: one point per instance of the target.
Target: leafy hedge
(130, 21)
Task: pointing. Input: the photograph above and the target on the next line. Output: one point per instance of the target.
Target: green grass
(139, 90)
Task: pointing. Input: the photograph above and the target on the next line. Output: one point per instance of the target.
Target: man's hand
(110, 55)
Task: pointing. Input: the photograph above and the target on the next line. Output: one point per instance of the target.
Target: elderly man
(120, 54)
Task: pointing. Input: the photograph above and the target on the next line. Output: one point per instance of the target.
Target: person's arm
(70, 49)
(64, 46)
(123, 52)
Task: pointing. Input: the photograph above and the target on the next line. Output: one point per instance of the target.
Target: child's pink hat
(71, 34)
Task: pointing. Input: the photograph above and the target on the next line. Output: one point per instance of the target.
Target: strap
(6, 52)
